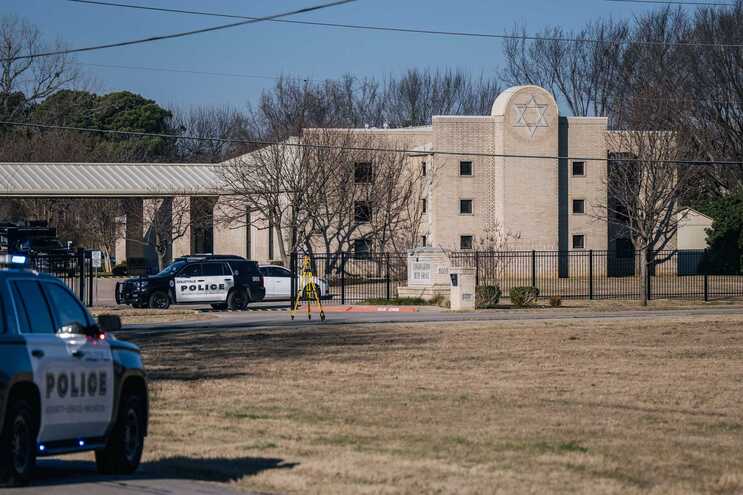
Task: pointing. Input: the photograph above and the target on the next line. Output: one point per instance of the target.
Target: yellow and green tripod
(306, 286)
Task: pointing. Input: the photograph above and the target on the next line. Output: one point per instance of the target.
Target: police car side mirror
(109, 323)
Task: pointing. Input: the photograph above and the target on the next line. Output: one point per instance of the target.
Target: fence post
(293, 269)
(81, 274)
(90, 279)
(648, 280)
(343, 278)
(706, 287)
(590, 274)
(387, 277)
(477, 268)
(533, 268)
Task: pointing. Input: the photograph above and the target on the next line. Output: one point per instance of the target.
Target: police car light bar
(13, 260)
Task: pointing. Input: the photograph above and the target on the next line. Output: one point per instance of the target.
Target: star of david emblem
(531, 115)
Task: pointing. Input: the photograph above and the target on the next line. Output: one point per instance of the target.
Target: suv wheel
(18, 445)
(159, 300)
(238, 300)
(123, 452)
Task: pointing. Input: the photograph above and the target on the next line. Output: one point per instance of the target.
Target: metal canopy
(103, 180)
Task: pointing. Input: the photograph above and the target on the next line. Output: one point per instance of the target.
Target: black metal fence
(353, 278)
(584, 274)
(75, 269)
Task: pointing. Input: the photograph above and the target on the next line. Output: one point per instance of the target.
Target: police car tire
(19, 415)
(117, 457)
(238, 300)
(159, 300)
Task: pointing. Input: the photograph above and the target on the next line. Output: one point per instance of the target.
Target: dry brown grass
(507, 407)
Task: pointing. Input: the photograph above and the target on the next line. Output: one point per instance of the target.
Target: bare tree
(586, 75)
(27, 81)
(212, 128)
(645, 185)
(277, 186)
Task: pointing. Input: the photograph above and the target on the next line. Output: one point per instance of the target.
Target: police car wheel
(237, 300)
(18, 445)
(159, 300)
(123, 453)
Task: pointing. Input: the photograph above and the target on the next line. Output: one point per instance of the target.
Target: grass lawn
(508, 407)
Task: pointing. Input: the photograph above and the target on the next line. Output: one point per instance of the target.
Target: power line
(420, 31)
(178, 35)
(360, 148)
(190, 71)
(664, 2)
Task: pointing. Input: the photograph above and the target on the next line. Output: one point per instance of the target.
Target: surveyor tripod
(308, 288)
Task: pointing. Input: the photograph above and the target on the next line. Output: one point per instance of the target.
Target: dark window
(579, 241)
(465, 207)
(425, 206)
(362, 249)
(66, 308)
(465, 242)
(191, 271)
(579, 206)
(31, 298)
(465, 169)
(579, 169)
(362, 172)
(275, 271)
(423, 169)
(215, 270)
(423, 241)
(362, 212)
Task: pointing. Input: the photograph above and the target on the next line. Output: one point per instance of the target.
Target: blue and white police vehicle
(66, 383)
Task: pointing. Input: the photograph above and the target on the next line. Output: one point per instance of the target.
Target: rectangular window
(424, 240)
(28, 294)
(579, 169)
(579, 206)
(465, 242)
(579, 241)
(425, 206)
(362, 212)
(465, 207)
(362, 173)
(423, 169)
(465, 169)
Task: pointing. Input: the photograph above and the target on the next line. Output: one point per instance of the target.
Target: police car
(222, 281)
(66, 383)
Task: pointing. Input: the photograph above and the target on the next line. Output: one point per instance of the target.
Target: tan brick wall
(586, 138)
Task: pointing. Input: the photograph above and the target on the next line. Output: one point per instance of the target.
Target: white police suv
(66, 383)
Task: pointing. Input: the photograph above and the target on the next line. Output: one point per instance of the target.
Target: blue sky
(273, 49)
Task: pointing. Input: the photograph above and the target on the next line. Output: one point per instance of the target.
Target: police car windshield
(172, 268)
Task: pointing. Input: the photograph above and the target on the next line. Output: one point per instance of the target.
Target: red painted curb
(368, 309)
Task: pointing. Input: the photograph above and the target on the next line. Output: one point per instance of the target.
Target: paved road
(257, 319)
(60, 477)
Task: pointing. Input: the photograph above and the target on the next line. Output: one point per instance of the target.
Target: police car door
(218, 281)
(89, 403)
(59, 371)
(187, 284)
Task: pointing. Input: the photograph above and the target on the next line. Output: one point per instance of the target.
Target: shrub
(555, 301)
(487, 296)
(120, 270)
(524, 296)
